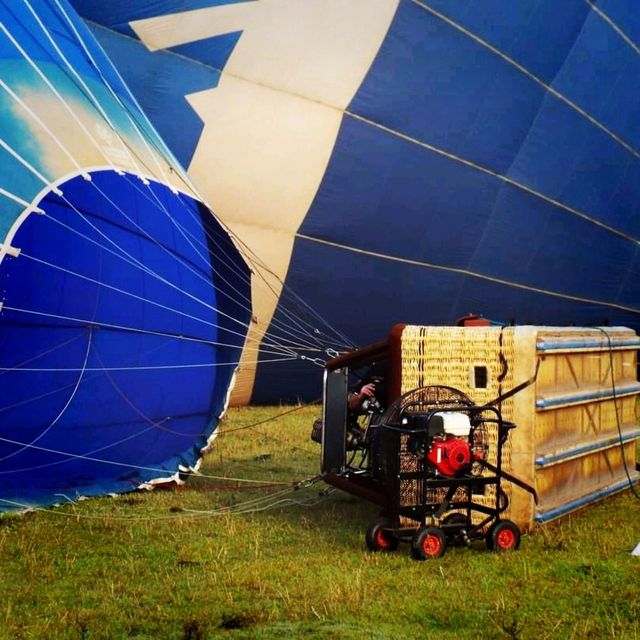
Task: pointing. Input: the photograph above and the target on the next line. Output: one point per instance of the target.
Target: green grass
(175, 564)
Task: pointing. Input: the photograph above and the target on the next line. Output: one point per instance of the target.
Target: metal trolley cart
(431, 452)
(432, 461)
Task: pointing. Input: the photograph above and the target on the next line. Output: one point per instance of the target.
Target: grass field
(284, 563)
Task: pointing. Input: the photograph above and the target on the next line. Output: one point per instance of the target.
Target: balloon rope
(305, 332)
(142, 268)
(14, 197)
(286, 329)
(127, 258)
(269, 336)
(77, 456)
(175, 257)
(315, 331)
(150, 272)
(128, 329)
(159, 367)
(145, 270)
(267, 503)
(24, 162)
(88, 378)
(134, 407)
(53, 349)
(207, 262)
(156, 425)
(180, 261)
(135, 124)
(134, 296)
(159, 425)
(252, 427)
(424, 5)
(272, 341)
(251, 257)
(239, 508)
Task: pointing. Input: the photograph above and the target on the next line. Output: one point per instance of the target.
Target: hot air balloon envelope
(405, 160)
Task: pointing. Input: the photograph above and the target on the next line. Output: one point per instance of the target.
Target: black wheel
(455, 519)
(503, 501)
(503, 535)
(379, 536)
(428, 543)
(453, 524)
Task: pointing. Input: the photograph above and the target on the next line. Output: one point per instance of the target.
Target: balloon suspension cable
(90, 455)
(252, 426)
(62, 411)
(130, 260)
(343, 340)
(305, 334)
(127, 465)
(245, 507)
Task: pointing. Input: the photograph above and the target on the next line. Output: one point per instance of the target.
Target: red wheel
(379, 536)
(428, 543)
(503, 535)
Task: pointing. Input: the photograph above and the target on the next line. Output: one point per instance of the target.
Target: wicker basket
(577, 430)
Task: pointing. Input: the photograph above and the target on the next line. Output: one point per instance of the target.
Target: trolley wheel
(453, 524)
(379, 537)
(428, 543)
(503, 535)
(455, 519)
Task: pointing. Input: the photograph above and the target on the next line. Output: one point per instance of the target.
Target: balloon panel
(111, 354)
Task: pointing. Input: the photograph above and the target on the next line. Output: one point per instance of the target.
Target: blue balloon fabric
(125, 303)
(486, 156)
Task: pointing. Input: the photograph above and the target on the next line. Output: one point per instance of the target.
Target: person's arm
(356, 399)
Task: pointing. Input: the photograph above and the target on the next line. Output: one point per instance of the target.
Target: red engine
(452, 456)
